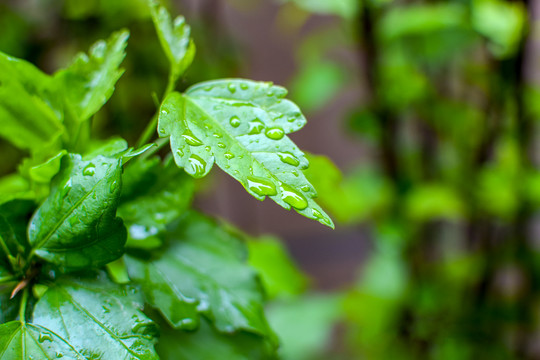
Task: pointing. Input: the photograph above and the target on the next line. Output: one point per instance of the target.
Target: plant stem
(22, 308)
(151, 127)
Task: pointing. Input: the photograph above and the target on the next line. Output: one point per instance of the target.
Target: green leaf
(29, 115)
(501, 22)
(278, 272)
(89, 81)
(161, 196)
(15, 187)
(19, 340)
(100, 319)
(317, 83)
(174, 38)
(202, 270)
(208, 344)
(76, 227)
(345, 8)
(305, 325)
(361, 195)
(241, 125)
(14, 217)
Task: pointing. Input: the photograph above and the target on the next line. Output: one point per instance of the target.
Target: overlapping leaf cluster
(93, 232)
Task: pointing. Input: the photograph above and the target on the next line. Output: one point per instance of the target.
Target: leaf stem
(151, 127)
(9, 255)
(22, 308)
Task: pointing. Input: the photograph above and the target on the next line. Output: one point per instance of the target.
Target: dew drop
(106, 310)
(191, 139)
(44, 337)
(288, 158)
(89, 170)
(114, 186)
(275, 133)
(221, 145)
(319, 217)
(232, 88)
(229, 156)
(305, 188)
(198, 165)
(208, 88)
(261, 186)
(207, 148)
(244, 86)
(293, 198)
(66, 188)
(162, 131)
(59, 355)
(218, 136)
(179, 152)
(255, 127)
(234, 121)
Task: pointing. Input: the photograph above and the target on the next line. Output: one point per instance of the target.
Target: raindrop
(89, 170)
(261, 186)
(275, 133)
(255, 127)
(114, 186)
(207, 148)
(208, 88)
(232, 88)
(317, 215)
(305, 188)
(198, 165)
(164, 112)
(288, 158)
(234, 121)
(221, 145)
(44, 337)
(217, 136)
(229, 156)
(244, 86)
(66, 188)
(59, 355)
(179, 152)
(293, 198)
(191, 139)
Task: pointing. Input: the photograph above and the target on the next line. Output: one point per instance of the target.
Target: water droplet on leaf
(180, 152)
(191, 139)
(232, 88)
(255, 127)
(89, 170)
(289, 158)
(198, 165)
(221, 145)
(234, 121)
(275, 133)
(44, 337)
(229, 156)
(261, 186)
(293, 198)
(244, 86)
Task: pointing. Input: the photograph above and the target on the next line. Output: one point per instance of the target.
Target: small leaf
(76, 227)
(15, 187)
(174, 38)
(278, 272)
(100, 319)
(29, 109)
(89, 81)
(313, 317)
(151, 204)
(202, 270)
(208, 344)
(19, 340)
(241, 125)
